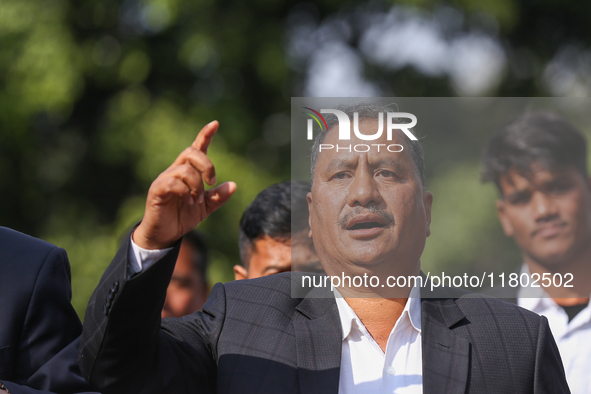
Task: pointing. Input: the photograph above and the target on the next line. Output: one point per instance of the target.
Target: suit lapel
(318, 332)
(318, 335)
(446, 355)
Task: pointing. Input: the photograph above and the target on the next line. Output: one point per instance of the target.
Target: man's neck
(576, 274)
(378, 315)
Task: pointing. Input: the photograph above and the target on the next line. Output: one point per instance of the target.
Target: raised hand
(177, 200)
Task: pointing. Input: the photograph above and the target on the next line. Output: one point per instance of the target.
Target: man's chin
(355, 265)
(372, 263)
(368, 255)
(552, 259)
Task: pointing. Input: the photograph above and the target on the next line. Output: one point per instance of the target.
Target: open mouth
(367, 222)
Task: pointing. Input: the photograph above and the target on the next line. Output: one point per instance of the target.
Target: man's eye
(519, 199)
(180, 283)
(340, 175)
(387, 174)
(561, 187)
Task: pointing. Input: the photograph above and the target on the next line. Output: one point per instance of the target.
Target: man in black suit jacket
(368, 213)
(39, 329)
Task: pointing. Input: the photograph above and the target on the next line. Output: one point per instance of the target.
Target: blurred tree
(99, 96)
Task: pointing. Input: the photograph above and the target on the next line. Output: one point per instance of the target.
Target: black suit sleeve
(51, 322)
(549, 376)
(41, 317)
(59, 375)
(124, 348)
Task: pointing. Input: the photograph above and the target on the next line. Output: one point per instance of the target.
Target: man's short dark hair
(542, 138)
(366, 111)
(269, 214)
(200, 255)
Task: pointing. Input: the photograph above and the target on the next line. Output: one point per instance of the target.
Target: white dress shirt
(573, 338)
(365, 368)
(140, 258)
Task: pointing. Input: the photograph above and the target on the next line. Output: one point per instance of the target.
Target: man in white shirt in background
(539, 164)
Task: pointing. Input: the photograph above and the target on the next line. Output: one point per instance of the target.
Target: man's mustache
(361, 211)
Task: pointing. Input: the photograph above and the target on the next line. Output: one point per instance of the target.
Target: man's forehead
(368, 127)
(395, 149)
(352, 160)
(269, 252)
(536, 175)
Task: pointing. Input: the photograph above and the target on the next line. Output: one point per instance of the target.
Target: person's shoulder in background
(37, 320)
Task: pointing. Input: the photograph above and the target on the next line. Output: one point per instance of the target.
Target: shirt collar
(410, 313)
(535, 299)
(414, 308)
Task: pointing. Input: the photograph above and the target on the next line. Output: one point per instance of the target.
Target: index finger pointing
(205, 135)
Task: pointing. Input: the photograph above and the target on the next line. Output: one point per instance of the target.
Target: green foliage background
(97, 97)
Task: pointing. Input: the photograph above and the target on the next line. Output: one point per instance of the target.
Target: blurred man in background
(274, 233)
(539, 165)
(188, 288)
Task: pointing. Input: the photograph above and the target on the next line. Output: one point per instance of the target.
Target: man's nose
(364, 191)
(544, 207)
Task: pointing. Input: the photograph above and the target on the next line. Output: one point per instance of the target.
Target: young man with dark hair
(274, 234)
(539, 164)
(188, 288)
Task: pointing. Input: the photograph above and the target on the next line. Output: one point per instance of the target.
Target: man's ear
(504, 219)
(240, 272)
(309, 199)
(428, 203)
